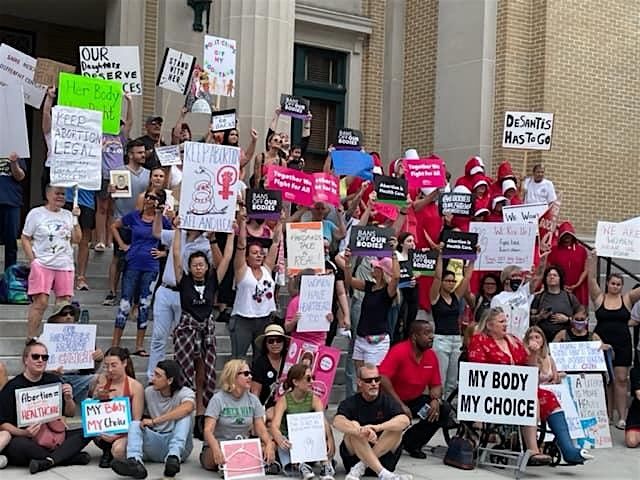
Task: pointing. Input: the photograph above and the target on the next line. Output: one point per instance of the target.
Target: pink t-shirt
(317, 338)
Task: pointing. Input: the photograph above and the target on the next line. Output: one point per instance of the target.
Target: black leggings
(408, 309)
(22, 450)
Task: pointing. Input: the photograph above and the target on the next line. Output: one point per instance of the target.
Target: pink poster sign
(327, 188)
(243, 459)
(387, 210)
(322, 360)
(296, 186)
(425, 172)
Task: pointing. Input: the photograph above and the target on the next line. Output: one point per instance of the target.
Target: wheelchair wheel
(551, 449)
(451, 429)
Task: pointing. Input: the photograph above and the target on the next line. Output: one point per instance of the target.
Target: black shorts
(104, 190)
(87, 218)
(389, 460)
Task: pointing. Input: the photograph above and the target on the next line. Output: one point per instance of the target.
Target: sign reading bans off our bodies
(527, 130)
(498, 394)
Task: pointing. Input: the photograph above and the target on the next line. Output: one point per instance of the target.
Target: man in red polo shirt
(409, 368)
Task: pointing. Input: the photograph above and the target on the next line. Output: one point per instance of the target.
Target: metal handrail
(609, 262)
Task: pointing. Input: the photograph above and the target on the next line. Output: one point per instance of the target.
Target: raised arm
(273, 126)
(176, 249)
(177, 129)
(272, 255)
(349, 281)
(326, 166)
(251, 149)
(306, 135)
(46, 110)
(434, 293)
(223, 265)
(536, 279)
(240, 262)
(392, 286)
(594, 289)
(463, 288)
(128, 120)
(156, 228)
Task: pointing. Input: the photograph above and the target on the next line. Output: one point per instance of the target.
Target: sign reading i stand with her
(349, 139)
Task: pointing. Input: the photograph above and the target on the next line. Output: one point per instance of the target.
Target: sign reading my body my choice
(121, 64)
(370, 241)
(527, 130)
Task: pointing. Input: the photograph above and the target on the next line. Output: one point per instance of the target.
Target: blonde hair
(508, 271)
(544, 351)
(229, 373)
(488, 315)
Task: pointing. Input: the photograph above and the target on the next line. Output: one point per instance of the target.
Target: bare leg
(610, 399)
(5, 438)
(117, 335)
(83, 253)
(101, 219)
(530, 435)
(119, 448)
(35, 314)
(140, 339)
(621, 390)
(114, 274)
(370, 455)
(4, 377)
(632, 439)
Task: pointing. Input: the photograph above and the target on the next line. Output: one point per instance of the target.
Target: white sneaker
(584, 453)
(356, 472)
(3, 461)
(387, 475)
(306, 472)
(327, 472)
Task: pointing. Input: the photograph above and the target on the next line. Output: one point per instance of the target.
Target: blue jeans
(80, 385)
(9, 231)
(447, 349)
(136, 288)
(166, 315)
(147, 444)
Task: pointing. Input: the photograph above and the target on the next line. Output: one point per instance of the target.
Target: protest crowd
(421, 273)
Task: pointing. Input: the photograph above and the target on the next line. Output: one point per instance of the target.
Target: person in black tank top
(613, 315)
(446, 310)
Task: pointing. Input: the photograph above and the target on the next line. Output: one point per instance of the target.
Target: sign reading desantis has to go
(527, 130)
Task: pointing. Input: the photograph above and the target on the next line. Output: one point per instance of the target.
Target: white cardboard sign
(578, 356)
(503, 244)
(175, 71)
(305, 247)
(562, 393)
(618, 240)
(307, 437)
(527, 130)
(587, 391)
(316, 298)
(113, 63)
(70, 345)
(220, 61)
(529, 213)
(169, 155)
(14, 134)
(19, 68)
(111, 418)
(38, 404)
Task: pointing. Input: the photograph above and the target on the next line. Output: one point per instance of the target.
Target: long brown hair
(296, 372)
(123, 355)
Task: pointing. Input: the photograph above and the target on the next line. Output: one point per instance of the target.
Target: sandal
(621, 425)
(81, 284)
(100, 247)
(539, 459)
(140, 353)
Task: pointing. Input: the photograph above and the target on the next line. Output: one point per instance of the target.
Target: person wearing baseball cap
(153, 127)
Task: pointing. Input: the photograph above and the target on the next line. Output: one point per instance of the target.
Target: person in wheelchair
(492, 344)
(408, 369)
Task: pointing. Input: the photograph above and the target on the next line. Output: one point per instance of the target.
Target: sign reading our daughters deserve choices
(121, 64)
(93, 94)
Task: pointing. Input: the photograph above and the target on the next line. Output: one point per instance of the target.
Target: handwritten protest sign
(175, 71)
(264, 204)
(316, 298)
(498, 394)
(243, 458)
(423, 262)
(618, 240)
(587, 390)
(350, 162)
(19, 68)
(528, 213)
(562, 393)
(14, 135)
(459, 245)
(208, 193)
(322, 360)
(296, 186)
(504, 244)
(578, 356)
(370, 241)
(38, 404)
(200, 98)
(296, 107)
(527, 130)
(109, 418)
(456, 203)
(390, 190)
(305, 247)
(326, 188)
(425, 172)
(121, 64)
(93, 94)
(76, 144)
(168, 155)
(70, 345)
(307, 437)
(223, 120)
(47, 71)
(220, 61)
(349, 139)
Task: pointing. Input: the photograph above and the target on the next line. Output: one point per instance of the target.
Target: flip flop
(140, 353)
(100, 247)
(81, 284)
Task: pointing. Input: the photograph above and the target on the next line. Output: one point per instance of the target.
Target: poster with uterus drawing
(208, 194)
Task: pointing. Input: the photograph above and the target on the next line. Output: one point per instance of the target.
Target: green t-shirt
(234, 416)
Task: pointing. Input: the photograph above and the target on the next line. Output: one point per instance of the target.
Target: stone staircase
(13, 326)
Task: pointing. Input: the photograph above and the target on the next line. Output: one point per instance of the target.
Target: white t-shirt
(175, 176)
(200, 243)
(254, 298)
(47, 140)
(539, 192)
(51, 237)
(157, 405)
(516, 306)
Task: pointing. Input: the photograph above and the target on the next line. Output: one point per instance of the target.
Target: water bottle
(423, 413)
(84, 316)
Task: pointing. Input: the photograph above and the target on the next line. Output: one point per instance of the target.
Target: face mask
(580, 324)
(515, 283)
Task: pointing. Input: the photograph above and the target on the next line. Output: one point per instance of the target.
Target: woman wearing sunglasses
(300, 399)
(142, 264)
(233, 412)
(267, 368)
(24, 449)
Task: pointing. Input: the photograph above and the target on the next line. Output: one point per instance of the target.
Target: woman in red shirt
(571, 257)
(494, 345)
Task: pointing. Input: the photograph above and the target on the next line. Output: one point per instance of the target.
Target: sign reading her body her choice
(370, 241)
(578, 356)
(121, 64)
(528, 213)
(47, 71)
(105, 418)
(527, 130)
(175, 71)
(14, 136)
(242, 459)
(19, 68)
(168, 155)
(93, 94)
(296, 107)
(316, 299)
(121, 181)
(264, 204)
(618, 240)
(223, 120)
(349, 139)
(76, 145)
(390, 190)
(425, 172)
(504, 244)
(307, 436)
(296, 186)
(38, 404)
(305, 247)
(423, 262)
(460, 245)
(503, 394)
(455, 203)
(70, 345)
(208, 193)
(220, 62)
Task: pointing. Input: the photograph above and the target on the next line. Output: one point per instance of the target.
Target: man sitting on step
(164, 436)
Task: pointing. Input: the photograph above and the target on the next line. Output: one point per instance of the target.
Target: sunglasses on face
(371, 379)
(274, 340)
(308, 378)
(38, 356)
(67, 313)
(246, 373)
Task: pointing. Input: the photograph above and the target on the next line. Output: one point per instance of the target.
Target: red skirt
(548, 403)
